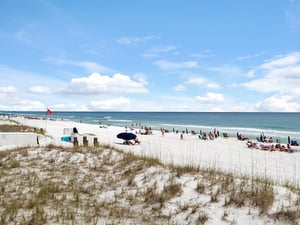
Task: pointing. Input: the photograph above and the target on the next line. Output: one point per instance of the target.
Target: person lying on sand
(251, 144)
(268, 147)
(282, 148)
(132, 142)
(137, 141)
(128, 142)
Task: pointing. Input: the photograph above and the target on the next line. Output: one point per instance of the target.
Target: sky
(150, 55)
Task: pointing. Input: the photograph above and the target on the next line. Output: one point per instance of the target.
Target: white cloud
(15, 103)
(282, 61)
(201, 81)
(134, 40)
(69, 107)
(251, 74)
(279, 103)
(168, 65)
(40, 90)
(179, 87)
(156, 51)
(249, 56)
(91, 67)
(8, 89)
(28, 104)
(205, 54)
(101, 84)
(161, 49)
(281, 79)
(141, 78)
(120, 103)
(227, 70)
(211, 98)
(279, 75)
(296, 92)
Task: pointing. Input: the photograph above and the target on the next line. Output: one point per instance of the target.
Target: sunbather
(251, 144)
(137, 141)
(283, 148)
(268, 148)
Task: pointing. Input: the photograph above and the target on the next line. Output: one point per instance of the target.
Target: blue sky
(150, 55)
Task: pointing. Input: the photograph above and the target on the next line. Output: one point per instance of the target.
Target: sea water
(275, 124)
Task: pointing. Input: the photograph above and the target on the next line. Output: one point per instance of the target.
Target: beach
(229, 155)
(224, 154)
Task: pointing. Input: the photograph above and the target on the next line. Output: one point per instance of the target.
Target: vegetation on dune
(55, 185)
(19, 128)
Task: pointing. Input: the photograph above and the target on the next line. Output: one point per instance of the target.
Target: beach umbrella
(126, 136)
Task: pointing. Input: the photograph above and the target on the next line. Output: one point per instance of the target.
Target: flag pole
(48, 113)
(46, 121)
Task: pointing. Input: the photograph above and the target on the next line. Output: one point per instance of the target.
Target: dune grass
(56, 185)
(20, 128)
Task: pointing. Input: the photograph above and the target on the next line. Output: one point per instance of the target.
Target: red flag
(49, 111)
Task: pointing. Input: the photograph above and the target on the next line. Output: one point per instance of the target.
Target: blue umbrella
(126, 136)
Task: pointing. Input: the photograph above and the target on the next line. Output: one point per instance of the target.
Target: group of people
(264, 138)
(145, 131)
(278, 147)
(271, 147)
(267, 144)
(210, 135)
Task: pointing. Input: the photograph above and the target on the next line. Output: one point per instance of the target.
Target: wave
(233, 130)
(122, 121)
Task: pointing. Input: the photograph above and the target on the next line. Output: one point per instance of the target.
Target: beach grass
(57, 185)
(20, 128)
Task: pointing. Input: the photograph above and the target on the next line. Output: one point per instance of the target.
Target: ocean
(252, 124)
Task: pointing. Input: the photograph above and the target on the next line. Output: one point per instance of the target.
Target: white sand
(226, 154)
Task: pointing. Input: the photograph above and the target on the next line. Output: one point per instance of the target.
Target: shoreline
(249, 124)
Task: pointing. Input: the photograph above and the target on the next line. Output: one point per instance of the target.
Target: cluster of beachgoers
(261, 142)
(268, 144)
(271, 147)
